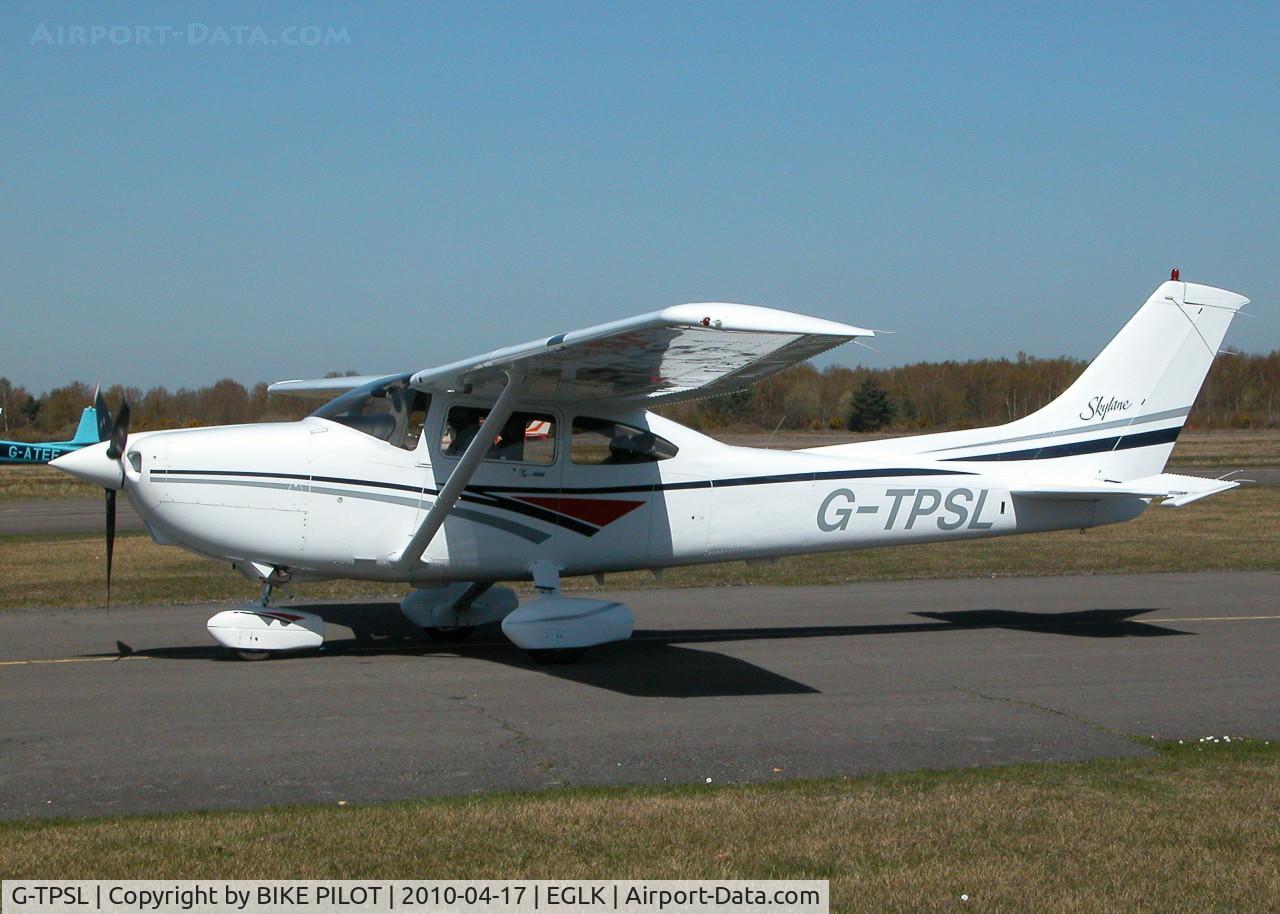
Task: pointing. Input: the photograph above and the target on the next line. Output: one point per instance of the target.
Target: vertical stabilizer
(95, 422)
(1121, 417)
(87, 430)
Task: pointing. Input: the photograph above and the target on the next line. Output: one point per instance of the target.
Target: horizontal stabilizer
(1183, 490)
(1174, 490)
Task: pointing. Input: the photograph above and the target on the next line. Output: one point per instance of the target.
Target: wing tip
(757, 318)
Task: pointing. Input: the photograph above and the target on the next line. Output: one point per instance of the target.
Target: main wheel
(252, 655)
(558, 655)
(450, 635)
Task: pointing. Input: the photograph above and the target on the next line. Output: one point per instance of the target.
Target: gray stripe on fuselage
(368, 496)
(185, 480)
(501, 523)
(1079, 430)
(531, 534)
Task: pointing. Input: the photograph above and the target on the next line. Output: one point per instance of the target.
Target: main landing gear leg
(451, 612)
(546, 581)
(459, 633)
(264, 601)
(256, 631)
(558, 629)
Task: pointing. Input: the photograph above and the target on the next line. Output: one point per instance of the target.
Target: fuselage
(32, 452)
(35, 452)
(589, 490)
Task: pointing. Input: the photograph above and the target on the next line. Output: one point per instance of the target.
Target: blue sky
(982, 179)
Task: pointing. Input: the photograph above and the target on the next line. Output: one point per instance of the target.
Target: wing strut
(462, 473)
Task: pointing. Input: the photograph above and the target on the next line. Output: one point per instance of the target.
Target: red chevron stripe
(598, 511)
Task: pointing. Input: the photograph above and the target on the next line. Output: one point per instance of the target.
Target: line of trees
(1242, 391)
(55, 414)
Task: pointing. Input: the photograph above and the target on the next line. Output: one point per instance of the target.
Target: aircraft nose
(92, 465)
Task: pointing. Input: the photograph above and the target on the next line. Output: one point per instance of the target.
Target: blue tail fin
(87, 430)
(95, 422)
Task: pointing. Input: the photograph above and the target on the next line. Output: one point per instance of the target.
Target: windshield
(388, 409)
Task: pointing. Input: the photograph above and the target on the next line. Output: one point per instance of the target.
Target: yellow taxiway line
(73, 660)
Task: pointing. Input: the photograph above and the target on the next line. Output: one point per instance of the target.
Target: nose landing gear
(257, 632)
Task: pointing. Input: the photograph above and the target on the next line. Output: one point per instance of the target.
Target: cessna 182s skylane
(542, 460)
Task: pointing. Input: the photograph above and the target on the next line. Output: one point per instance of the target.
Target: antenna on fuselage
(775, 430)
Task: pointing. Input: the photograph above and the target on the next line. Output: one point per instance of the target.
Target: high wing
(679, 353)
(322, 388)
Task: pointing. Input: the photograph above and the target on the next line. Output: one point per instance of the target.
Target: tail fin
(1121, 417)
(95, 422)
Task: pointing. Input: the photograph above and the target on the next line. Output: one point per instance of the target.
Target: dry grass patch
(70, 571)
(1235, 531)
(1228, 448)
(40, 481)
(1183, 830)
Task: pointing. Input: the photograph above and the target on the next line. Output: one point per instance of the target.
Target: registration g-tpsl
(543, 459)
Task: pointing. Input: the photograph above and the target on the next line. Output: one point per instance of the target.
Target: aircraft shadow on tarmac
(655, 663)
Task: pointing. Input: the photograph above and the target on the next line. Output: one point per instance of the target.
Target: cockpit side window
(525, 437)
(603, 442)
(389, 410)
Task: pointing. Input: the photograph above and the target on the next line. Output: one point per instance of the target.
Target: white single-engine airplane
(542, 460)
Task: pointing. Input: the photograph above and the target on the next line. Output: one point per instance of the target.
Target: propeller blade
(119, 432)
(111, 537)
(103, 414)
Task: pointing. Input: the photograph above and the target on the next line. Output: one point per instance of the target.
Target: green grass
(1188, 828)
(1233, 531)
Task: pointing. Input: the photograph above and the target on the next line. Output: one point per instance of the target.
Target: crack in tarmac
(1045, 709)
(518, 740)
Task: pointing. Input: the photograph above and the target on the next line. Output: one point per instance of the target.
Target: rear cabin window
(603, 442)
(525, 437)
(390, 411)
